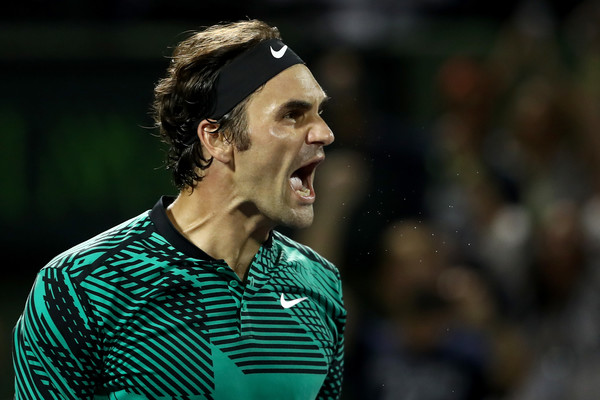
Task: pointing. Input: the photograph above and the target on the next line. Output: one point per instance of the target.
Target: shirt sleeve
(332, 387)
(55, 349)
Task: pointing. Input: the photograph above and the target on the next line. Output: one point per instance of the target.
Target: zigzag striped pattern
(126, 315)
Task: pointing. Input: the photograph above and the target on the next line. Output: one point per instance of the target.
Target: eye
(293, 114)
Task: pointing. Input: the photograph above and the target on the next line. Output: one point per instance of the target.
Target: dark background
(77, 152)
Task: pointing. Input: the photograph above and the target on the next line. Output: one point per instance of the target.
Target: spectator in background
(563, 323)
(414, 343)
(544, 158)
(470, 197)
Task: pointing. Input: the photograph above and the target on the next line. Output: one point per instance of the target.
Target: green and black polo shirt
(139, 312)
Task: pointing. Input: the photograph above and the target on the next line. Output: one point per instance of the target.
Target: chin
(298, 219)
(300, 224)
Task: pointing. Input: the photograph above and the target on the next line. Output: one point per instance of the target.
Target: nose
(320, 133)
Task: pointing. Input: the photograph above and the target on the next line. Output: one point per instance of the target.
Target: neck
(220, 225)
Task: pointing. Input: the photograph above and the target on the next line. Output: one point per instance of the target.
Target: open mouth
(301, 180)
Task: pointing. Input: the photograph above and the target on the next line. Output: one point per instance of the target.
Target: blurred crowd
(469, 247)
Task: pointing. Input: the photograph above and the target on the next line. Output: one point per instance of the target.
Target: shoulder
(317, 276)
(79, 259)
(61, 291)
(304, 256)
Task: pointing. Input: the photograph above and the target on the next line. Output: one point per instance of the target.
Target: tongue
(299, 187)
(296, 183)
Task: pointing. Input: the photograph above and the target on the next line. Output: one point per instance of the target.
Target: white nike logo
(279, 53)
(291, 303)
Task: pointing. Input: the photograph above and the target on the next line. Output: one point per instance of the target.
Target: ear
(214, 142)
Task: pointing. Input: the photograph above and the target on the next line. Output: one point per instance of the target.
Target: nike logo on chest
(290, 303)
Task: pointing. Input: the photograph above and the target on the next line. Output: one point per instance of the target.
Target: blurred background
(461, 199)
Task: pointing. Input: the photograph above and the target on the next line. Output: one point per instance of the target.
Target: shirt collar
(164, 226)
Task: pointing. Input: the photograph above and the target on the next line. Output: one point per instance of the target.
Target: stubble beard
(297, 219)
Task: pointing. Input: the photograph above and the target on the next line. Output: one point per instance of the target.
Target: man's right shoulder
(89, 254)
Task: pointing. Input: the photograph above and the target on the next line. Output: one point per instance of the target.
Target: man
(200, 298)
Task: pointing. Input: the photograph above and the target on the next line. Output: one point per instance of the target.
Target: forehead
(296, 82)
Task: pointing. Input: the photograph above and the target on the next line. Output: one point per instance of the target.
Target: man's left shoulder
(295, 252)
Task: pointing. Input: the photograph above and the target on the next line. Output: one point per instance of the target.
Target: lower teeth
(304, 191)
(299, 187)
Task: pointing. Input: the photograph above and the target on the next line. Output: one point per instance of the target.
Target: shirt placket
(253, 299)
(235, 288)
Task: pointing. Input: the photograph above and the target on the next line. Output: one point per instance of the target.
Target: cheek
(276, 147)
(266, 138)
(288, 145)
(280, 133)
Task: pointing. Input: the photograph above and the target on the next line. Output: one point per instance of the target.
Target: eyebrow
(301, 105)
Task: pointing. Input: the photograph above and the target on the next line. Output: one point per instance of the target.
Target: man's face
(287, 135)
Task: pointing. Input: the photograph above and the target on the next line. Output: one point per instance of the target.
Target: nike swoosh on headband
(279, 53)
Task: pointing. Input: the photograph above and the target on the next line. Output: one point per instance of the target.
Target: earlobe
(214, 142)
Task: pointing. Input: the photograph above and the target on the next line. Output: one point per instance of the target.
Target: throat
(240, 263)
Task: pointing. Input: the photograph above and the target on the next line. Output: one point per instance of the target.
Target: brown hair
(186, 95)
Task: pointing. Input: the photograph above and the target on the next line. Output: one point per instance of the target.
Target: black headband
(250, 70)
